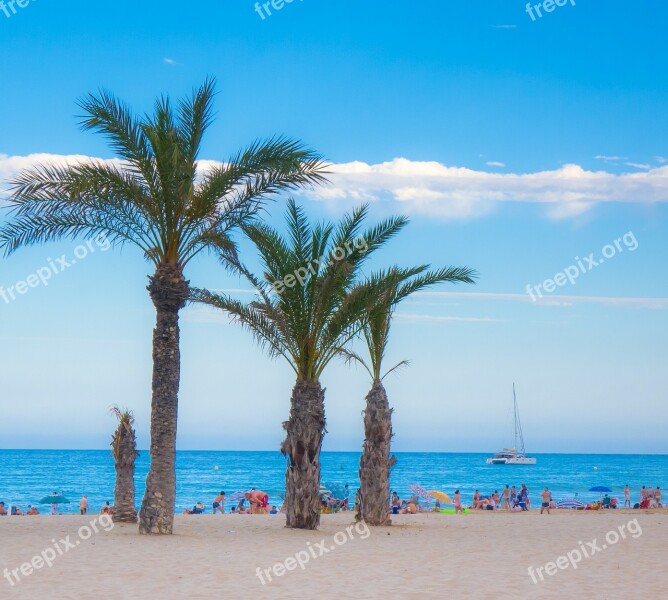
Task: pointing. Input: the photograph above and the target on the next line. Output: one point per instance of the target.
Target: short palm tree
(309, 305)
(395, 285)
(155, 200)
(124, 451)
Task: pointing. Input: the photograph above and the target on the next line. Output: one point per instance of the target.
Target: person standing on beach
(457, 500)
(258, 501)
(219, 503)
(657, 497)
(513, 495)
(524, 495)
(54, 507)
(627, 496)
(506, 498)
(83, 505)
(476, 499)
(547, 497)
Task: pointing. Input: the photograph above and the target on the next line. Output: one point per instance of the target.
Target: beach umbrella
(54, 500)
(336, 490)
(570, 503)
(440, 496)
(600, 488)
(420, 492)
(237, 496)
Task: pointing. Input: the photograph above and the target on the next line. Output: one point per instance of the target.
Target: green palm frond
(154, 197)
(310, 300)
(393, 286)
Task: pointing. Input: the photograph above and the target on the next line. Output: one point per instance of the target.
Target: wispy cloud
(644, 167)
(414, 318)
(661, 159)
(494, 163)
(553, 300)
(503, 26)
(609, 158)
(169, 61)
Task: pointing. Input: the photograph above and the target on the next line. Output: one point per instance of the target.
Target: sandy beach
(479, 555)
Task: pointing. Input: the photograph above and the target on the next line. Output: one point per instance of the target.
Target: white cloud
(494, 163)
(434, 189)
(169, 61)
(661, 159)
(447, 192)
(639, 166)
(504, 26)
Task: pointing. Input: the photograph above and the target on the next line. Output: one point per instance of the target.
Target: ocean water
(28, 475)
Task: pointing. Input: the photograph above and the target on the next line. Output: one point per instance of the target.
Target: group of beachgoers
(510, 499)
(513, 500)
(258, 504)
(16, 511)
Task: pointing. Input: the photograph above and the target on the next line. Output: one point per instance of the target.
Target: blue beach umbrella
(602, 489)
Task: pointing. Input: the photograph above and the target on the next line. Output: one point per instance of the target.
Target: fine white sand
(481, 556)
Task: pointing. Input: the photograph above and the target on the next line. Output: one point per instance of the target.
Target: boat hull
(516, 460)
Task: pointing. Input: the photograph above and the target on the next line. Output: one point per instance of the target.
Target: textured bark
(169, 291)
(124, 449)
(304, 433)
(375, 463)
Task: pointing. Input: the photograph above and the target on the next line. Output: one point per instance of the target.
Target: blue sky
(514, 145)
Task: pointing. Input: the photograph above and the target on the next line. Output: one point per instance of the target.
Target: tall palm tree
(395, 285)
(155, 200)
(124, 451)
(309, 304)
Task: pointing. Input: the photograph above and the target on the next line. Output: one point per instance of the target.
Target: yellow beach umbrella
(440, 496)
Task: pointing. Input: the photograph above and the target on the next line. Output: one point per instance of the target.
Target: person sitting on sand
(219, 503)
(16, 511)
(547, 498)
(32, 511)
(395, 503)
(258, 501)
(483, 503)
(3, 510)
(107, 509)
(198, 509)
(410, 509)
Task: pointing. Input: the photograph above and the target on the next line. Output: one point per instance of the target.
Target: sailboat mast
(515, 411)
(518, 424)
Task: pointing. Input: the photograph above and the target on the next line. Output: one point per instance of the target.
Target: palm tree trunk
(304, 433)
(125, 452)
(169, 291)
(374, 493)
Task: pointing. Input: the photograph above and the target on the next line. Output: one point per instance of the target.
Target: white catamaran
(511, 456)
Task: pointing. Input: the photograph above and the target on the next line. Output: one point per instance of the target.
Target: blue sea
(28, 475)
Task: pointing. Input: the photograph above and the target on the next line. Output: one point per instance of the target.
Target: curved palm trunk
(169, 291)
(304, 433)
(374, 492)
(125, 453)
